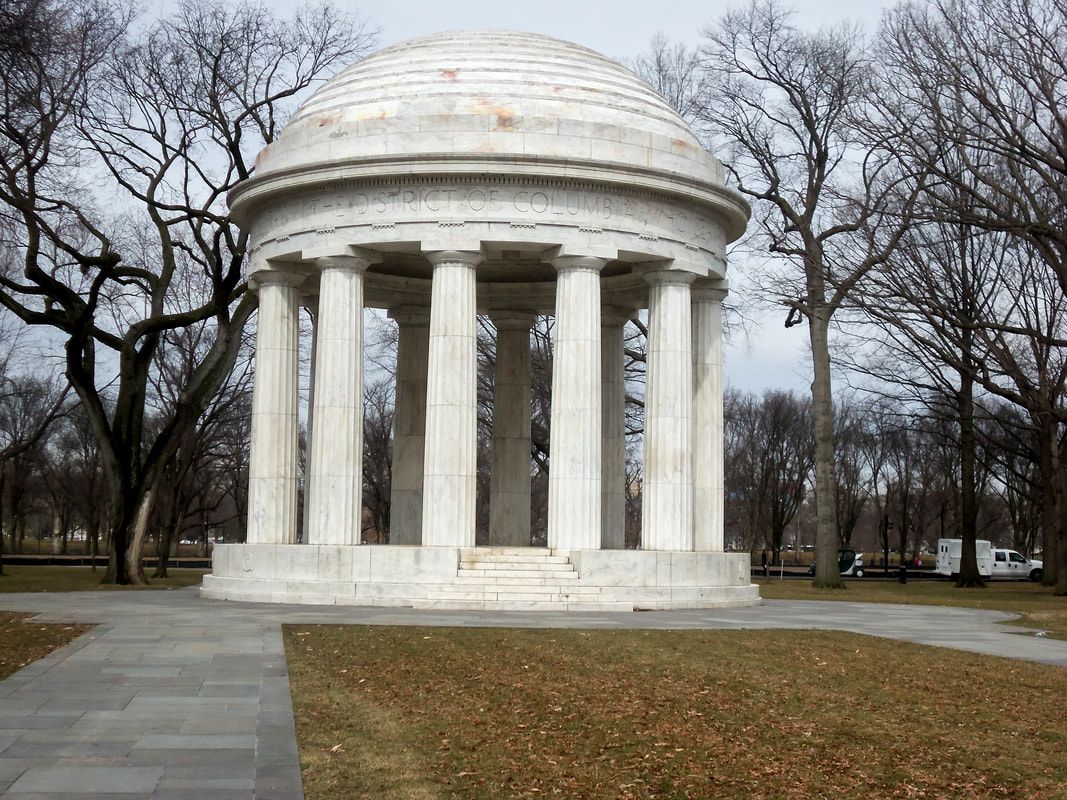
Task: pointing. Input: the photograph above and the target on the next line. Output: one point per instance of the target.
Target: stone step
(466, 557)
(518, 558)
(523, 605)
(495, 580)
(530, 588)
(566, 575)
(490, 565)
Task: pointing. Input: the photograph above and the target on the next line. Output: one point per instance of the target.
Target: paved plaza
(175, 697)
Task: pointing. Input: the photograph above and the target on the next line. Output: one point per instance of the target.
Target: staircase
(518, 579)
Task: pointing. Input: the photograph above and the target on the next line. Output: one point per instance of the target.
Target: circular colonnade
(512, 175)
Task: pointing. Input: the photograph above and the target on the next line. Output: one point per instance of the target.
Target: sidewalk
(177, 698)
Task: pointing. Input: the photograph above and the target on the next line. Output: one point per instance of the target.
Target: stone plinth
(479, 578)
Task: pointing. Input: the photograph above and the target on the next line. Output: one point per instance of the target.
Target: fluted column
(667, 501)
(574, 479)
(450, 461)
(409, 424)
(336, 471)
(272, 469)
(312, 306)
(509, 482)
(708, 486)
(613, 490)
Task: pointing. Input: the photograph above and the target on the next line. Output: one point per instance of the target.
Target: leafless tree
(769, 457)
(378, 407)
(977, 101)
(674, 70)
(782, 105)
(166, 118)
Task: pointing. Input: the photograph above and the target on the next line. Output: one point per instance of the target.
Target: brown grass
(82, 579)
(24, 641)
(1035, 603)
(493, 713)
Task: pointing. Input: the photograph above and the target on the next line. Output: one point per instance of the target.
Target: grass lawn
(24, 641)
(401, 712)
(81, 579)
(1036, 604)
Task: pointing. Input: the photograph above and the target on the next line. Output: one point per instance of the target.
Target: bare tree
(783, 105)
(769, 456)
(675, 71)
(978, 103)
(168, 118)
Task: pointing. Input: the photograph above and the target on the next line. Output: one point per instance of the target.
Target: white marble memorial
(511, 175)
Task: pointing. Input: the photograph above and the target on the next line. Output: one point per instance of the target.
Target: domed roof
(492, 98)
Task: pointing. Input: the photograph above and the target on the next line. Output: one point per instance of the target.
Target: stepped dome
(497, 100)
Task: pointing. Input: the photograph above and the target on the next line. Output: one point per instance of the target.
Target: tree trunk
(1051, 524)
(2, 481)
(94, 543)
(1059, 533)
(138, 534)
(166, 539)
(969, 576)
(827, 573)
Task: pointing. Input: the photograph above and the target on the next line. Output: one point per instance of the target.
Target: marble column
(708, 480)
(613, 490)
(409, 424)
(336, 466)
(574, 476)
(312, 305)
(272, 469)
(667, 501)
(509, 482)
(450, 460)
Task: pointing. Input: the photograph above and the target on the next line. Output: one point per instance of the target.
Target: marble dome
(490, 100)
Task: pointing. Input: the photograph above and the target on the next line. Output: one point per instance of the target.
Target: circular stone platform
(511, 175)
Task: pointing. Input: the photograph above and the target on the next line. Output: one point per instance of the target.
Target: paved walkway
(177, 698)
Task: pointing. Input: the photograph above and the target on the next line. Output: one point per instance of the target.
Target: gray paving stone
(245, 772)
(88, 780)
(196, 742)
(206, 784)
(36, 719)
(188, 757)
(11, 768)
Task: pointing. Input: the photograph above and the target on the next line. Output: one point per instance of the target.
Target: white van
(948, 557)
(1012, 565)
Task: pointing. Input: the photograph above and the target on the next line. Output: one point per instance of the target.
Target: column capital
(591, 263)
(505, 319)
(711, 290)
(416, 316)
(276, 277)
(340, 256)
(614, 316)
(346, 262)
(668, 276)
(470, 258)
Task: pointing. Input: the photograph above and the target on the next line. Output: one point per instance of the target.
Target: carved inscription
(487, 200)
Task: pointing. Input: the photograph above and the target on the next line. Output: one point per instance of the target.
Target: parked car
(1012, 565)
(849, 563)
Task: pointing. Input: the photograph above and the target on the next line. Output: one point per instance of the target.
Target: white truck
(1012, 565)
(948, 557)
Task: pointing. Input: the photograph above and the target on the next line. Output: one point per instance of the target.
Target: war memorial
(509, 175)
